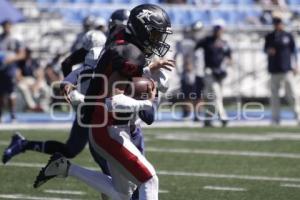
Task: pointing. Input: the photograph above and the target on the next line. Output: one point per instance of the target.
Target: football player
(122, 59)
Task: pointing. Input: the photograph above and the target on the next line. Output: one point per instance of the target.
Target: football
(139, 88)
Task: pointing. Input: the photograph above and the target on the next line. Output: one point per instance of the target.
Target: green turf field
(193, 164)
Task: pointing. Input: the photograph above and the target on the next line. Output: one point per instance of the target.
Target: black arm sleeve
(75, 58)
(128, 60)
(267, 43)
(200, 44)
(147, 116)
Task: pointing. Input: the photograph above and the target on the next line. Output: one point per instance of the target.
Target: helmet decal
(147, 15)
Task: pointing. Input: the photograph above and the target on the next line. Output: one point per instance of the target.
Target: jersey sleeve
(128, 60)
(227, 50)
(267, 43)
(93, 39)
(122, 103)
(200, 44)
(73, 76)
(75, 58)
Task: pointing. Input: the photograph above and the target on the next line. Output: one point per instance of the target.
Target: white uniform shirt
(93, 41)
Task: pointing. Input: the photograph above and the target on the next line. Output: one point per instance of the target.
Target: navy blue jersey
(284, 45)
(215, 50)
(80, 77)
(76, 57)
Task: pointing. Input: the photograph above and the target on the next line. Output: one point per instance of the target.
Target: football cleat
(57, 166)
(224, 122)
(16, 146)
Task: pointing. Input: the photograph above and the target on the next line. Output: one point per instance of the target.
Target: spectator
(53, 76)
(216, 50)
(32, 84)
(87, 25)
(191, 75)
(282, 66)
(14, 51)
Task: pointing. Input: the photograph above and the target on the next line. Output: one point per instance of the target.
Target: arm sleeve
(228, 51)
(128, 60)
(267, 43)
(294, 51)
(122, 103)
(75, 58)
(73, 76)
(200, 44)
(147, 116)
(293, 45)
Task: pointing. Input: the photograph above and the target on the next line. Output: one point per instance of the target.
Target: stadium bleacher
(232, 11)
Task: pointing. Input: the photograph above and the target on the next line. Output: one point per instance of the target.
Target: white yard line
(224, 152)
(72, 192)
(228, 137)
(213, 152)
(228, 176)
(290, 185)
(23, 197)
(157, 124)
(163, 191)
(221, 188)
(180, 173)
(4, 143)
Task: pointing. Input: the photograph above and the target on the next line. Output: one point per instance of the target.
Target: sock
(35, 146)
(97, 180)
(48, 147)
(149, 189)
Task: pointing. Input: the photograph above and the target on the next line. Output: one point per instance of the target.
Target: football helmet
(87, 22)
(119, 17)
(150, 25)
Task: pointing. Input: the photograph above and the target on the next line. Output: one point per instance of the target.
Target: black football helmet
(150, 26)
(118, 17)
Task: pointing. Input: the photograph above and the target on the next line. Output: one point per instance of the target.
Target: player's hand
(152, 91)
(271, 51)
(295, 71)
(167, 64)
(67, 89)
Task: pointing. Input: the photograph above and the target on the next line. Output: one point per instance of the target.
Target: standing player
(216, 51)
(145, 34)
(192, 70)
(12, 51)
(281, 49)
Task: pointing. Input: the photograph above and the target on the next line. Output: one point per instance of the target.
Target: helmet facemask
(156, 42)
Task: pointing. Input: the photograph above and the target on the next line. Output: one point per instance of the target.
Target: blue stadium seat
(293, 2)
(121, 1)
(71, 15)
(80, 1)
(245, 2)
(253, 13)
(137, 2)
(179, 16)
(101, 1)
(101, 13)
(217, 14)
(196, 15)
(232, 18)
(228, 2)
(46, 1)
(153, 1)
